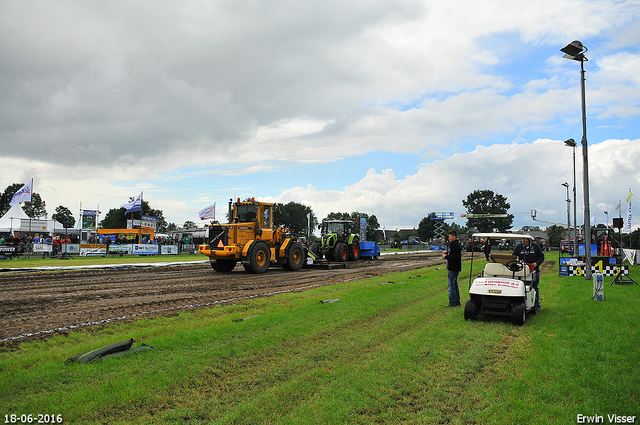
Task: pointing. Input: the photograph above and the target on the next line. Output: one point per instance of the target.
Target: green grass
(37, 260)
(386, 353)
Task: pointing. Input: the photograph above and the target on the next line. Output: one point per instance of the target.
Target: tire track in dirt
(33, 303)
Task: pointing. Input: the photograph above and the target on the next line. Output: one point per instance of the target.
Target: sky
(394, 108)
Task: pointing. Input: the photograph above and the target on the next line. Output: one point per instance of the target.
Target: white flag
(627, 229)
(384, 233)
(619, 208)
(209, 212)
(24, 194)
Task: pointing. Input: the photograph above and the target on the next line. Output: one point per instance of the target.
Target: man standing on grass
(453, 255)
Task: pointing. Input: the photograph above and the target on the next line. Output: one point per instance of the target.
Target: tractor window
(267, 218)
(335, 228)
(247, 213)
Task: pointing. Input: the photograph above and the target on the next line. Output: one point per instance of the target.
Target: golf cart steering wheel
(514, 266)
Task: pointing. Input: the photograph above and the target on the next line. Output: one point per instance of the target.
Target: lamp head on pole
(571, 143)
(565, 184)
(575, 51)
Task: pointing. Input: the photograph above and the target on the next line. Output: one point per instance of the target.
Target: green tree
(189, 225)
(427, 228)
(555, 234)
(488, 202)
(116, 218)
(293, 216)
(64, 216)
(37, 208)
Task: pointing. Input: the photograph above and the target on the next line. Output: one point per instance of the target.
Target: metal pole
(575, 205)
(568, 212)
(585, 158)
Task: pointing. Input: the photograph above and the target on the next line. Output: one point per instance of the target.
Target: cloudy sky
(391, 107)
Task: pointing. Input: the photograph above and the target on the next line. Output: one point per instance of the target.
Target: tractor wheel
(518, 314)
(259, 258)
(340, 253)
(470, 310)
(295, 258)
(315, 248)
(354, 250)
(224, 266)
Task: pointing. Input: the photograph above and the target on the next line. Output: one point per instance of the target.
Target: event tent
(12, 220)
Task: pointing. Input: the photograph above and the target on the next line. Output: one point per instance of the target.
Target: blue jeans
(535, 284)
(454, 292)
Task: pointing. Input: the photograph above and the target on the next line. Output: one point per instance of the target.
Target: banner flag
(208, 212)
(384, 231)
(627, 229)
(23, 195)
(606, 212)
(619, 208)
(134, 206)
(630, 255)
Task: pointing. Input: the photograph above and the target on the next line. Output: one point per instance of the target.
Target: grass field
(388, 352)
(38, 261)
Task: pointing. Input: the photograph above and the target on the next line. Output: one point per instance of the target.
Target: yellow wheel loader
(250, 238)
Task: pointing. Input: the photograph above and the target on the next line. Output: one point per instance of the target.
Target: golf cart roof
(512, 236)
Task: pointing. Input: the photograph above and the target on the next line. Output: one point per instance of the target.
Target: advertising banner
(42, 247)
(148, 222)
(119, 249)
(146, 249)
(88, 249)
(169, 250)
(27, 225)
(89, 219)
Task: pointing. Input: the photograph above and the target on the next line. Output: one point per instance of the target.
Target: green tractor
(339, 241)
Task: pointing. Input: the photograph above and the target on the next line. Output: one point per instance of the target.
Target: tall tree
(488, 202)
(555, 234)
(426, 228)
(65, 216)
(293, 216)
(34, 209)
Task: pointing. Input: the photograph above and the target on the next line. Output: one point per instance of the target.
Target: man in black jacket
(531, 253)
(453, 255)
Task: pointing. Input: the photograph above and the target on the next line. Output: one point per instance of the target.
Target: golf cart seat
(499, 269)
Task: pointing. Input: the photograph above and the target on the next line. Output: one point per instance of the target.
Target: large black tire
(340, 253)
(295, 257)
(224, 266)
(518, 314)
(315, 248)
(259, 258)
(470, 310)
(354, 250)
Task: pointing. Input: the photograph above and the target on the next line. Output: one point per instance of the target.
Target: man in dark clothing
(453, 255)
(531, 253)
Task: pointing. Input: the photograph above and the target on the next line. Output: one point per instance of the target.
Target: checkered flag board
(608, 270)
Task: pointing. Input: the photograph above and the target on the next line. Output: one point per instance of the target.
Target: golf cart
(505, 287)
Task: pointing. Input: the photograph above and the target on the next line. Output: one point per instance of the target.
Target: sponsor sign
(146, 249)
(88, 250)
(32, 225)
(169, 249)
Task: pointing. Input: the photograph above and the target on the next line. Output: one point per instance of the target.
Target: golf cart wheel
(518, 314)
(470, 310)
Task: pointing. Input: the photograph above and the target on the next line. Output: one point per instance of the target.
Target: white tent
(12, 220)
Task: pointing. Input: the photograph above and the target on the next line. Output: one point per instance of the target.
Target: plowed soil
(39, 305)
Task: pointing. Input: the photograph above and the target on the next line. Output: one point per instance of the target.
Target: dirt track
(40, 305)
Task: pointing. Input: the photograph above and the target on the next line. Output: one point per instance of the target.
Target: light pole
(575, 51)
(572, 143)
(565, 184)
